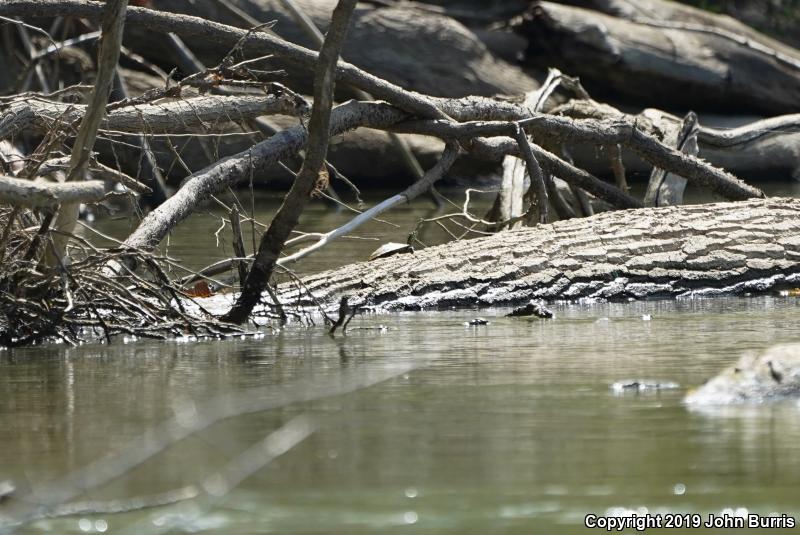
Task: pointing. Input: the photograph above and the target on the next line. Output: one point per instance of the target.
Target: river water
(512, 427)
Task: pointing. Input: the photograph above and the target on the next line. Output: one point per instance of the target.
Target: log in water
(723, 248)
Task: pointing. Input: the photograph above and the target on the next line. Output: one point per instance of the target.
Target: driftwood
(30, 194)
(486, 128)
(724, 248)
(667, 11)
(665, 188)
(415, 48)
(674, 64)
(757, 150)
(309, 176)
(112, 24)
(202, 114)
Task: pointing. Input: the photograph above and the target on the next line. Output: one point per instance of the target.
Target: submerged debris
(534, 308)
(95, 295)
(773, 374)
(636, 386)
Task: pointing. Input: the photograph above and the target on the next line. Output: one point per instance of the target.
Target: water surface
(506, 428)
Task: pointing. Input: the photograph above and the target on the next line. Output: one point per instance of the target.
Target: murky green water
(506, 428)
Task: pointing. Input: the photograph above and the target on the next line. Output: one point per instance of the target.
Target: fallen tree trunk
(675, 12)
(415, 48)
(678, 65)
(724, 248)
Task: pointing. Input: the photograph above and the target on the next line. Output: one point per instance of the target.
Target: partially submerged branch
(288, 214)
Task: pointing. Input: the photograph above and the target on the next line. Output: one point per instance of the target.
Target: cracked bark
(723, 248)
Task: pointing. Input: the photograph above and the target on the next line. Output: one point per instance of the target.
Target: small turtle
(391, 248)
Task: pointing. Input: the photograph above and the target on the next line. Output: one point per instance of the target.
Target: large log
(711, 249)
(674, 12)
(675, 64)
(414, 48)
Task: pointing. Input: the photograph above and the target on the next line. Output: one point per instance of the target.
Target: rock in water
(534, 308)
(772, 375)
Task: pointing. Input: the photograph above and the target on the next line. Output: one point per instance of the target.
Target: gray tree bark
(724, 248)
(654, 60)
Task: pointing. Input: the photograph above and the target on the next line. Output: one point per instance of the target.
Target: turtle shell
(389, 249)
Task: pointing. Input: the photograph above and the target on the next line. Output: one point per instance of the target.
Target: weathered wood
(108, 56)
(319, 129)
(723, 248)
(429, 179)
(415, 48)
(229, 171)
(765, 149)
(664, 188)
(238, 245)
(674, 64)
(191, 115)
(38, 194)
(229, 37)
(677, 12)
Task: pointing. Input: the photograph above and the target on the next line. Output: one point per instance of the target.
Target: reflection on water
(507, 428)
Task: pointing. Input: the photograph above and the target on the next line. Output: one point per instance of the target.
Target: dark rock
(534, 308)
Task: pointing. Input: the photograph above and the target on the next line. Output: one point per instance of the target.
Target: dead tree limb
(38, 194)
(111, 35)
(665, 188)
(434, 174)
(191, 115)
(288, 214)
(601, 133)
(253, 42)
(679, 64)
(534, 173)
(238, 245)
(407, 157)
(97, 170)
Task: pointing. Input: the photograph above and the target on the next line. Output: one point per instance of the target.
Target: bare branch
(111, 32)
